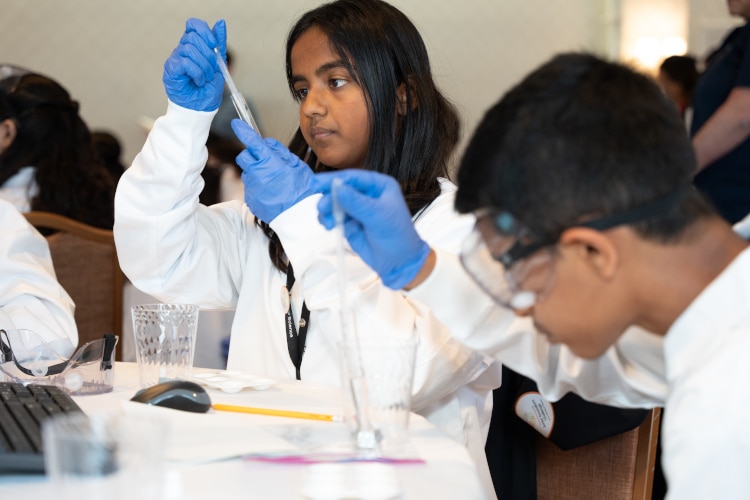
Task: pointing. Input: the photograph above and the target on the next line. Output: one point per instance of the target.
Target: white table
(448, 472)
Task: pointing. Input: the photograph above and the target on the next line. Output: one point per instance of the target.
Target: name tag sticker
(536, 411)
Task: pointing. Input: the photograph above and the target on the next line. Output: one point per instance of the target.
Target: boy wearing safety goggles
(587, 223)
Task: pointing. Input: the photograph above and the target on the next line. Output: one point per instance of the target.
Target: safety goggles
(513, 269)
(26, 358)
(516, 267)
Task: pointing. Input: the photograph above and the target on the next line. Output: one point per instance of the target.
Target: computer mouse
(177, 394)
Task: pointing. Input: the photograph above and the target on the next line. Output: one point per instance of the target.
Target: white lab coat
(20, 189)
(30, 296)
(705, 443)
(177, 250)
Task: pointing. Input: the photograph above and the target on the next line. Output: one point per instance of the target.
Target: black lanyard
(295, 341)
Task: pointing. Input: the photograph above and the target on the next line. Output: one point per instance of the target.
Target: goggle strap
(643, 212)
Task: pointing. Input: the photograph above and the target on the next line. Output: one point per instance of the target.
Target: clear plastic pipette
(240, 104)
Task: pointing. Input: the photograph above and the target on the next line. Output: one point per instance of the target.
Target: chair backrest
(86, 265)
(618, 467)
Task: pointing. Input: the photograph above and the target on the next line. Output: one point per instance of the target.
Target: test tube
(240, 104)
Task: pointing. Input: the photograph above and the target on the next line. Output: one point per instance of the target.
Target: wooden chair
(619, 467)
(86, 265)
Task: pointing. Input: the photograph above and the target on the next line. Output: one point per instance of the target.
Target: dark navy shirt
(727, 180)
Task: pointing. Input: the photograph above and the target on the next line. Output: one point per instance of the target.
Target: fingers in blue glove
(194, 60)
(274, 178)
(247, 136)
(278, 148)
(365, 181)
(192, 77)
(358, 195)
(199, 41)
(220, 33)
(377, 223)
(258, 148)
(216, 37)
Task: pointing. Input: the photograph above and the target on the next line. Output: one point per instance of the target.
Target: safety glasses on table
(27, 358)
(516, 267)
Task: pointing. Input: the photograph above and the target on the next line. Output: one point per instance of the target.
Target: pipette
(367, 437)
(240, 104)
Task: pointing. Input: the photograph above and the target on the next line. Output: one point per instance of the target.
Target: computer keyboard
(22, 411)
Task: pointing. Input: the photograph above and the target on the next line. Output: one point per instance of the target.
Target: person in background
(47, 160)
(30, 296)
(109, 151)
(587, 223)
(720, 126)
(678, 76)
(361, 75)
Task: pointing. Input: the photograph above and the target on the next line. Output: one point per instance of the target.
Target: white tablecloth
(448, 472)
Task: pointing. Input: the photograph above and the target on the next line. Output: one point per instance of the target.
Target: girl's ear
(8, 132)
(597, 250)
(401, 105)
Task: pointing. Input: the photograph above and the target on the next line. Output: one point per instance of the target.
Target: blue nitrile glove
(192, 77)
(274, 178)
(377, 223)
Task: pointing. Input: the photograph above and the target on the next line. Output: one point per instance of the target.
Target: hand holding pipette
(378, 223)
(190, 77)
(274, 177)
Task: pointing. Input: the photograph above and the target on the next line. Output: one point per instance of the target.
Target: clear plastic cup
(164, 341)
(378, 376)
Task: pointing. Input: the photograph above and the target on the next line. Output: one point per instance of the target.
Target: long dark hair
(52, 138)
(383, 50)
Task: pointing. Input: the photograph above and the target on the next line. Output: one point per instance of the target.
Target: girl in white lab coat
(361, 75)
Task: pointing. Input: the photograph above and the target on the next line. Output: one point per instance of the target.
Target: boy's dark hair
(382, 49)
(581, 138)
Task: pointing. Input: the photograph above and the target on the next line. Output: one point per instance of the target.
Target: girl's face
(333, 111)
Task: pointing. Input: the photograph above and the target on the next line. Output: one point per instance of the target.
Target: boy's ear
(8, 132)
(597, 250)
(401, 105)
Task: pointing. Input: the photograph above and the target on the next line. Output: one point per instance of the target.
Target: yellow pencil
(278, 413)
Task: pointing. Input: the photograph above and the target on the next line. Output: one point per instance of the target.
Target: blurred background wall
(109, 54)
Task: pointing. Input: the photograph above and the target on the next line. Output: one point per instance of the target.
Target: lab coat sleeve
(30, 296)
(630, 374)
(169, 245)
